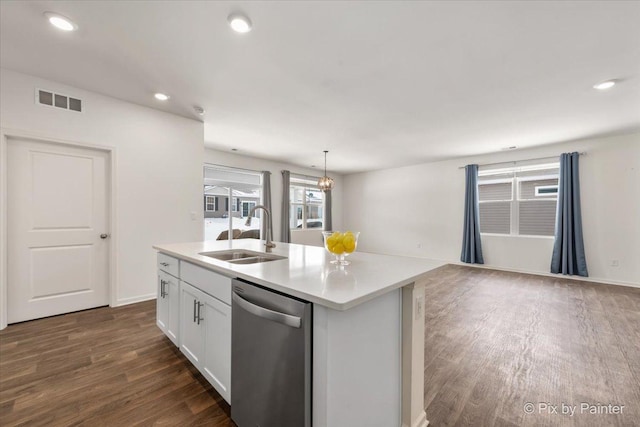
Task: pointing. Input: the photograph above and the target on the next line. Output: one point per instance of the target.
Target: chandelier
(325, 183)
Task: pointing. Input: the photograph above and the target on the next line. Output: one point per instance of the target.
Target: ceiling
(378, 84)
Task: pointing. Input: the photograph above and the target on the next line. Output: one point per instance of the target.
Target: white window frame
(515, 193)
(214, 203)
(229, 199)
(546, 187)
(304, 203)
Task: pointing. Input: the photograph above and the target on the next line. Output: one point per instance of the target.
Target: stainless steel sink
(255, 259)
(229, 255)
(242, 256)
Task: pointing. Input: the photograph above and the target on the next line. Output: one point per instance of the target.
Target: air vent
(58, 100)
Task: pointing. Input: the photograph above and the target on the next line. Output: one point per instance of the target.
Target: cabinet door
(162, 304)
(172, 291)
(191, 335)
(217, 348)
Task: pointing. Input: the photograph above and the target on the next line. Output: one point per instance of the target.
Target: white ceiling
(379, 84)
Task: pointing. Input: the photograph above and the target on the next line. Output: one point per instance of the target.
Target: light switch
(419, 308)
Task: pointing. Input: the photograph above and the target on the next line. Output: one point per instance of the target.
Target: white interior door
(57, 203)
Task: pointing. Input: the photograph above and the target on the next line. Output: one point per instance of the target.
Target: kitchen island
(368, 323)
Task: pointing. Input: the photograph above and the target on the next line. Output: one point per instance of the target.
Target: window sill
(517, 236)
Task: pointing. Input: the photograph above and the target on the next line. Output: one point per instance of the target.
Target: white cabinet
(168, 301)
(162, 306)
(206, 336)
(191, 339)
(216, 362)
(194, 311)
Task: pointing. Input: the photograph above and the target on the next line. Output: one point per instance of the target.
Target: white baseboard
(133, 300)
(421, 421)
(595, 280)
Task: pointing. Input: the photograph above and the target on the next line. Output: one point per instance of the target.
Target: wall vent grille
(51, 99)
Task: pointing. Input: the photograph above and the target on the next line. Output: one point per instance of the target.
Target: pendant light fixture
(325, 183)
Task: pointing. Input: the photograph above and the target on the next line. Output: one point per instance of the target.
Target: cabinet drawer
(169, 264)
(207, 281)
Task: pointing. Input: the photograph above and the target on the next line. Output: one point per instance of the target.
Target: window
(306, 203)
(519, 200)
(544, 190)
(210, 203)
(243, 188)
(235, 203)
(246, 208)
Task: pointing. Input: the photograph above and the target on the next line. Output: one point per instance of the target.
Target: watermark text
(570, 410)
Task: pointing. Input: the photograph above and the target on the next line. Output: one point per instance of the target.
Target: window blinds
(520, 199)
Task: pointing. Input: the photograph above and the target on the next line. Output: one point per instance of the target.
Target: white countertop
(307, 272)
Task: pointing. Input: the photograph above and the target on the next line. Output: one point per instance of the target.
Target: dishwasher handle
(276, 316)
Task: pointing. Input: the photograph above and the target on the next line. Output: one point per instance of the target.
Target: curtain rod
(582, 153)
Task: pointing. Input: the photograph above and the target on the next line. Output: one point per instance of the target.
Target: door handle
(195, 316)
(162, 283)
(199, 307)
(104, 235)
(276, 316)
(164, 288)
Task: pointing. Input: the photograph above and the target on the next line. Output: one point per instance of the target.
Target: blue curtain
(471, 245)
(568, 250)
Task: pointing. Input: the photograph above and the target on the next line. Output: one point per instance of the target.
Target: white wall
(158, 174)
(397, 210)
(307, 237)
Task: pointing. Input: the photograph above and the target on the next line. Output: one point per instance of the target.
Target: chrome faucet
(268, 243)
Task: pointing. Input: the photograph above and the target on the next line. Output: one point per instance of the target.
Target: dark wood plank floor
(494, 341)
(101, 367)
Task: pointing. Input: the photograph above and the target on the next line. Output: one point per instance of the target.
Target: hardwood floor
(494, 341)
(101, 367)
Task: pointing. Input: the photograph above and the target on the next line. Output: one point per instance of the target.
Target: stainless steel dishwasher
(270, 358)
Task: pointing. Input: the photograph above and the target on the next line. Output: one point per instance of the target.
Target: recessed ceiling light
(239, 23)
(61, 22)
(161, 96)
(605, 85)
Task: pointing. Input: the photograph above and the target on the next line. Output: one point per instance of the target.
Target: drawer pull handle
(165, 264)
(285, 319)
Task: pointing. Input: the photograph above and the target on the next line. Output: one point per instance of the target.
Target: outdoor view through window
(229, 195)
(520, 199)
(306, 208)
